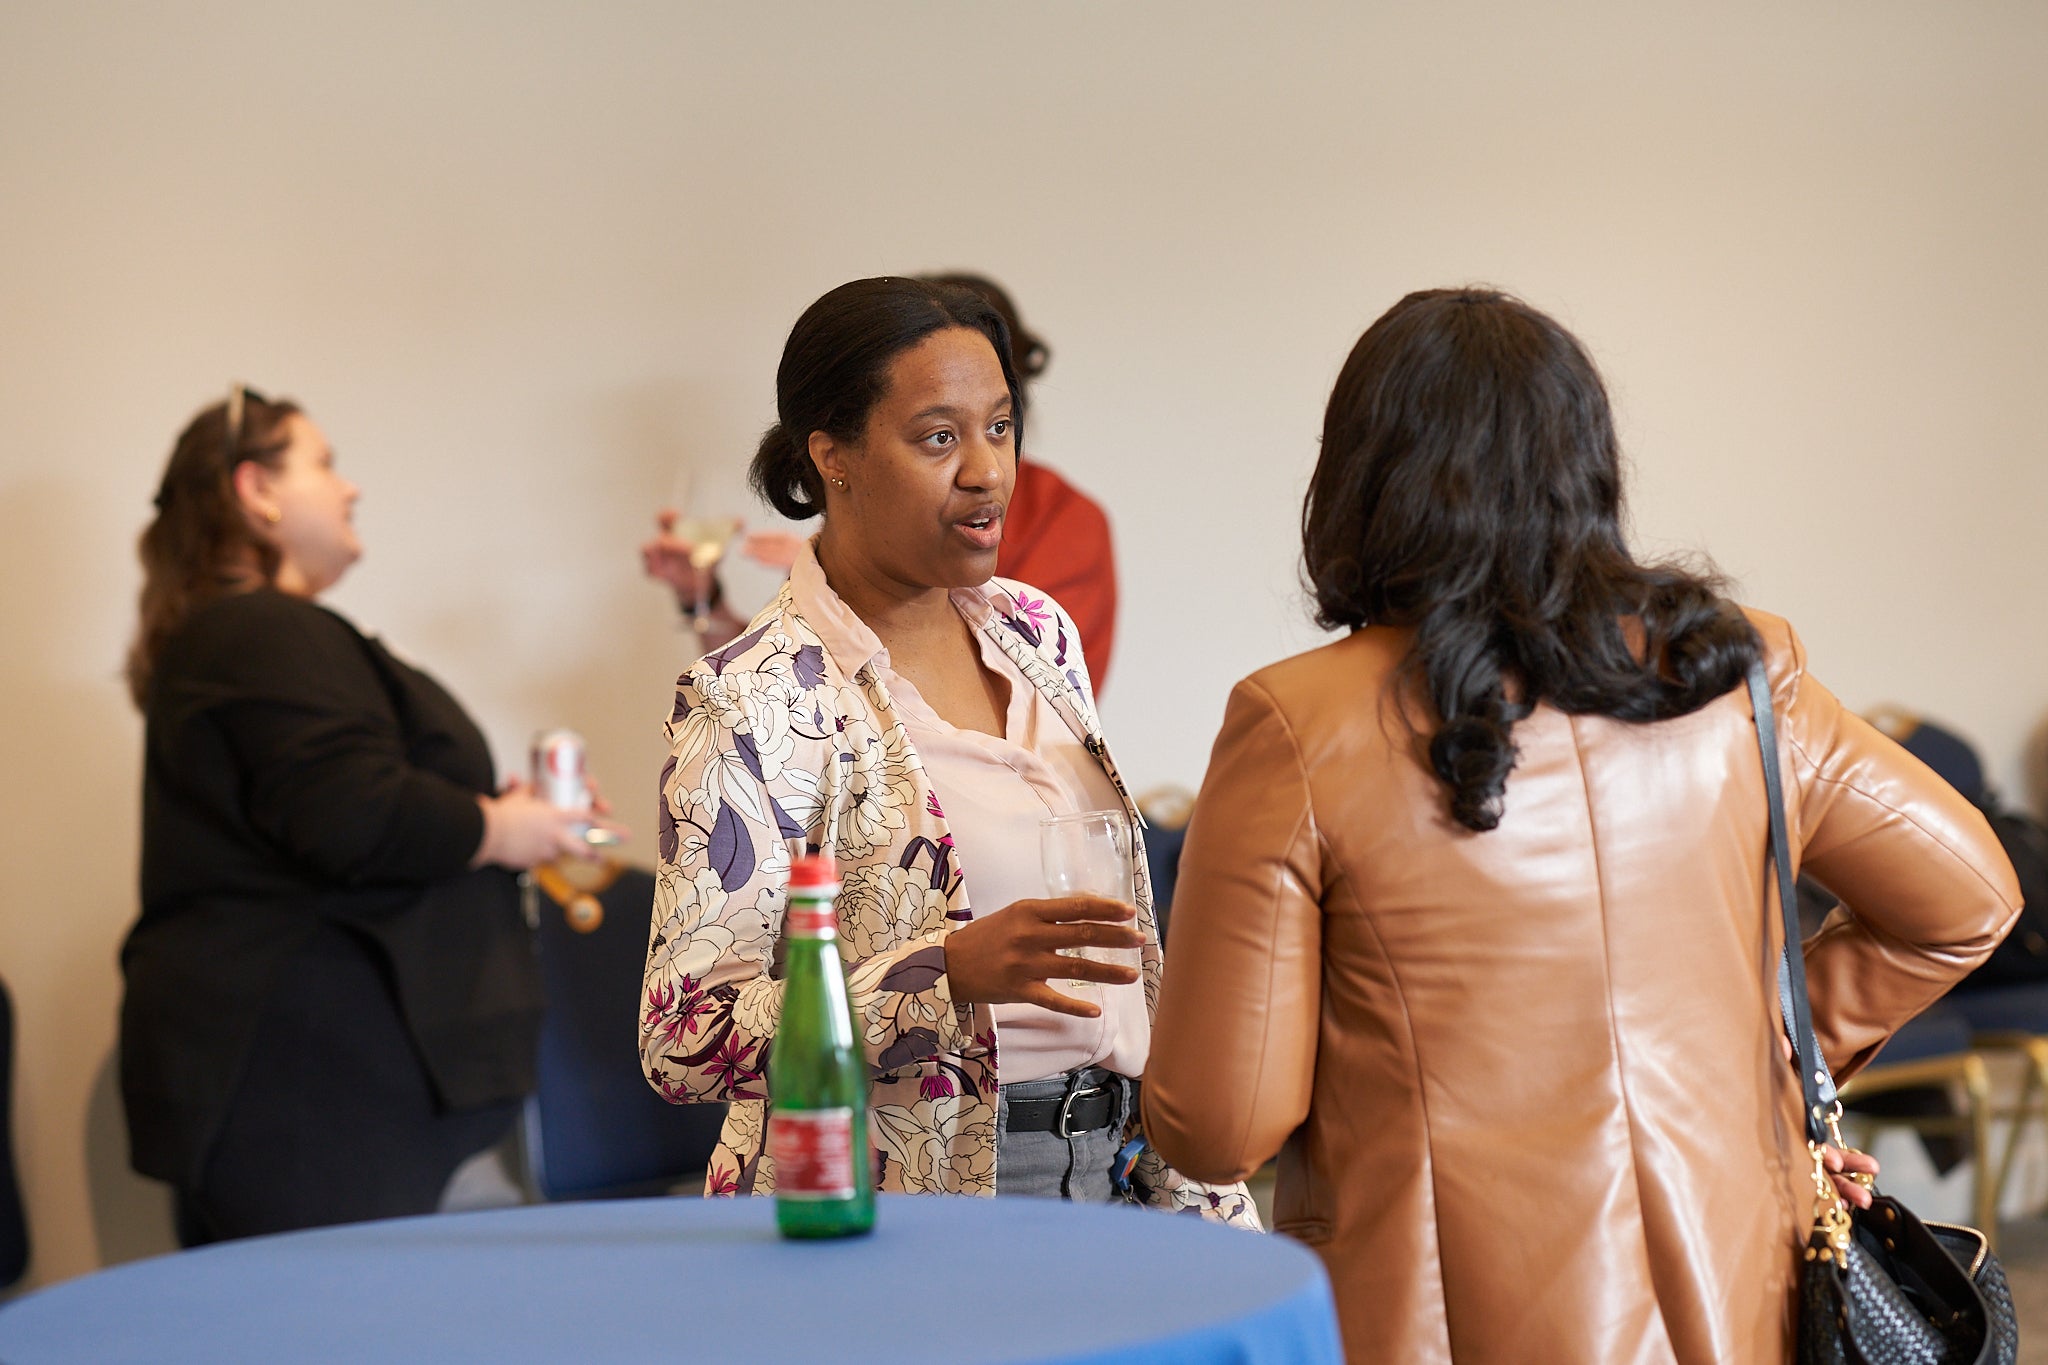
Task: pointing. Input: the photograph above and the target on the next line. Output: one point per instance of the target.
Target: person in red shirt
(1055, 537)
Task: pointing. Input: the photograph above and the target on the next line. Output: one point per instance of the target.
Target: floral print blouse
(772, 744)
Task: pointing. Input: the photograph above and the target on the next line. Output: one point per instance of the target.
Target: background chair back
(594, 1127)
(1166, 812)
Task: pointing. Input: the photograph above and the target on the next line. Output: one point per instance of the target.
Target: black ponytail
(784, 476)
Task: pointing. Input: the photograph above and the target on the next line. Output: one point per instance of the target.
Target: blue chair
(2004, 1019)
(1162, 856)
(2008, 1009)
(1166, 830)
(594, 1128)
(2013, 1020)
(1938, 1032)
(1953, 758)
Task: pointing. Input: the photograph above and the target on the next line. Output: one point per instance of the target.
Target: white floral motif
(905, 1011)
(802, 800)
(753, 926)
(690, 849)
(910, 1134)
(743, 1121)
(719, 705)
(770, 709)
(881, 905)
(970, 1167)
(877, 787)
(744, 1125)
(914, 1136)
(756, 1013)
(689, 738)
(692, 939)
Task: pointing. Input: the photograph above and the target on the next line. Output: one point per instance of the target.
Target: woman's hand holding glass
(1012, 956)
(1091, 853)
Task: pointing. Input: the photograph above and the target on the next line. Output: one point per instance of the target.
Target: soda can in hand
(558, 774)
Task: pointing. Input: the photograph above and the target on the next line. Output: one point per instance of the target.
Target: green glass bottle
(818, 1073)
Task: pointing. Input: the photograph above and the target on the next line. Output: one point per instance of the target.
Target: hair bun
(782, 474)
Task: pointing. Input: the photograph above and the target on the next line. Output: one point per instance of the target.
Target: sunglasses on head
(239, 397)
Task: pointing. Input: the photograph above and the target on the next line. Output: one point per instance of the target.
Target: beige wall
(527, 261)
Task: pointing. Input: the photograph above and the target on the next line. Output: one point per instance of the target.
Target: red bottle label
(813, 1153)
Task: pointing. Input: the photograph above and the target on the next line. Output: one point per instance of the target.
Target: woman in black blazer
(331, 995)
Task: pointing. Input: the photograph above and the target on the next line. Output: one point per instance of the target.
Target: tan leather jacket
(1526, 1086)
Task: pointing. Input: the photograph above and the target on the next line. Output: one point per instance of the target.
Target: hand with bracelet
(669, 558)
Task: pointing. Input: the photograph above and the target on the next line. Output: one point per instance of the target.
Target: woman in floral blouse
(902, 709)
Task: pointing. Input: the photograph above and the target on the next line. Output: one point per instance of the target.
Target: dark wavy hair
(199, 546)
(1470, 488)
(835, 368)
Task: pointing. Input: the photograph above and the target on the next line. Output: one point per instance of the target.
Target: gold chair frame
(2032, 1102)
(1964, 1070)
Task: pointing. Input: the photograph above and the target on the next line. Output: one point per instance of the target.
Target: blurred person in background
(331, 995)
(1055, 537)
(1471, 926)
(914, 716)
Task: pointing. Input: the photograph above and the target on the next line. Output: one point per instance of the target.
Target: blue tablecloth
(959, 1280)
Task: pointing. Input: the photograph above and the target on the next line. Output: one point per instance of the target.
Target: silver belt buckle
(1067, 1107)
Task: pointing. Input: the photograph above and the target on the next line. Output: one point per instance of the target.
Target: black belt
(1088, 1105)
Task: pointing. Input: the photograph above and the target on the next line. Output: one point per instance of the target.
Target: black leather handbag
(1879, 1286)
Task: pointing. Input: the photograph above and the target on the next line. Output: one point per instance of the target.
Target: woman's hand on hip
(1852, 1172)
(1843, 1166)
(1010, 956)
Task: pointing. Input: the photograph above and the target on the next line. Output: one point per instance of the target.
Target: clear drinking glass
(708, 537)
(1091, 854)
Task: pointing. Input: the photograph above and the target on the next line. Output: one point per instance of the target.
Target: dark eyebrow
(947, 410)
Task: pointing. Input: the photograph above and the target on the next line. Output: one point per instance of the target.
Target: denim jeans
(1049, 1166)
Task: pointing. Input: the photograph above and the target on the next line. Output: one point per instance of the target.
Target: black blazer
(296, 773)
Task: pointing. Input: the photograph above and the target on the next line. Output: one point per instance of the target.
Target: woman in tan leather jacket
(1471, 927)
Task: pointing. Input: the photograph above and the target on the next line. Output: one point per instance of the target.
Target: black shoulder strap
(1815, 1082)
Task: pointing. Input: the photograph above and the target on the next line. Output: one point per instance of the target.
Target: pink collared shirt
(994, 790)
